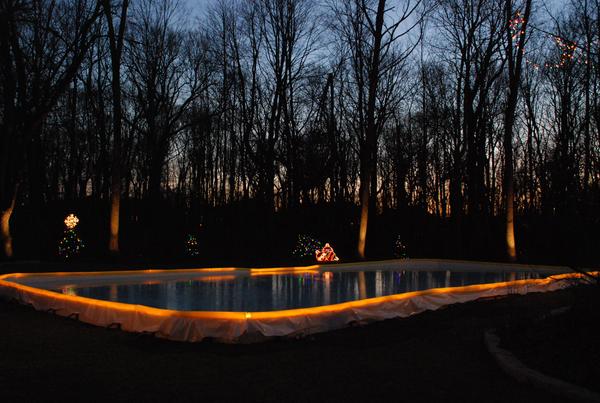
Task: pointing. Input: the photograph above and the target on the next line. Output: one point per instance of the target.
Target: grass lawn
(434, 356)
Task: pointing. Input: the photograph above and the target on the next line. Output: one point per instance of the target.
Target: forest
(465, 129)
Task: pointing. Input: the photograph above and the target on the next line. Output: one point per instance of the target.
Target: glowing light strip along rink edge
(194, 326)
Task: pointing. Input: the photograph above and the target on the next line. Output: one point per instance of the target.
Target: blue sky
(197, 7)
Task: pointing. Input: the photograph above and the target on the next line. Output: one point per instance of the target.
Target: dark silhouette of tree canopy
(43, 45)
(466, 128)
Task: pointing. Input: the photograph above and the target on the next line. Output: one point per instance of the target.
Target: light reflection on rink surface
(283, 291)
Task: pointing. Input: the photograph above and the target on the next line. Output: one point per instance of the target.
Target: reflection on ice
(283, 291)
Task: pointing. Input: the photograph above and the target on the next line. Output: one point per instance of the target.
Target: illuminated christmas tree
(306, 246)
(400, 250)
(191, 246)
(70, 245)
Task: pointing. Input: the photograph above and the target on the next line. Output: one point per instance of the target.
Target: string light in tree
(568, 49)
(516, 26)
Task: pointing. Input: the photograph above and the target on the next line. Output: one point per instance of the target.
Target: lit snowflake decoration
(71, 221)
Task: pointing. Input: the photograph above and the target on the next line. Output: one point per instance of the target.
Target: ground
(434, 356)
(563, 344)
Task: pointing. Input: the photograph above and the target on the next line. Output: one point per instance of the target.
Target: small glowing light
(69, 290)
(305, 246)
(71, 221)
(326, 254)
(248, 315)
(400, 250)
(192, 247)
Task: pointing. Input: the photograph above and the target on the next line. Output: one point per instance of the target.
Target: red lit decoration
(326, 254)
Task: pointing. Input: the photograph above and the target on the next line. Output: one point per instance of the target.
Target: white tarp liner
(250, 326)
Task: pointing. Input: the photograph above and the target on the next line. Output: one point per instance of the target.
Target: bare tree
(473, 33)
(116, 39)
(372, 42)
(43, 45)
(516, 29)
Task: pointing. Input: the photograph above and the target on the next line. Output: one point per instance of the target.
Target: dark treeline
(461, 126)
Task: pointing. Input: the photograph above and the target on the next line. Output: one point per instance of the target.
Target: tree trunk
(514, 76)
(116, 48)
(370, 143)
(365, 177)
(7, 246)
